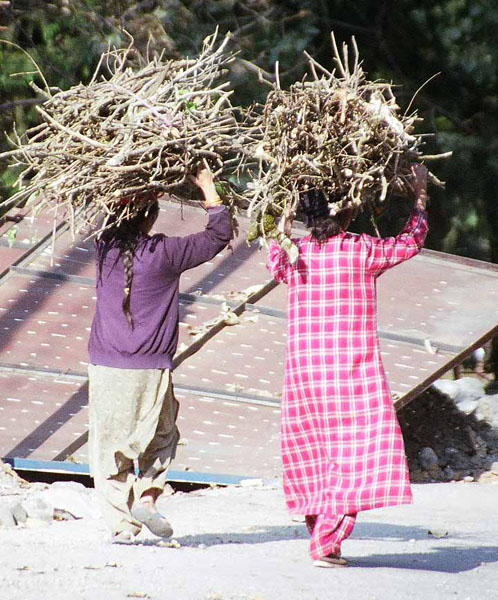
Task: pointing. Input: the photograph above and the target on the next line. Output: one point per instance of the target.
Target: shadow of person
(253, 535)
(453, 557)
(443, 559)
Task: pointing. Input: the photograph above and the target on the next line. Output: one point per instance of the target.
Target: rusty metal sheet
(439, 307)
(40, 414)
(232, 270)
(44, 414)
(247, 358)
(445, 301)
(66, 257)
(227, 436)
(20, 233)
(9, 255)
(409, 366)
(449, 301)
(276, 299)
(29, 229)
(45, 323)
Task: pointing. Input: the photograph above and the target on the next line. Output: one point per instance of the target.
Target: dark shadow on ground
(443, 559)
(386, 531)
(449, 556)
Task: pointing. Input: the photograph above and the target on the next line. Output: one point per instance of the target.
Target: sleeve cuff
(212, 210)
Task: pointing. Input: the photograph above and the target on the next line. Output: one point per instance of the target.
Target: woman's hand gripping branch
(419, 185)
(204, 179)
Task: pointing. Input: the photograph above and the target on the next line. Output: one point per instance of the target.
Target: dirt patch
(465, 447)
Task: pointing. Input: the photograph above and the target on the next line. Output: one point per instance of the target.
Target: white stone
(488, 410)
(36, 523)
(469, 388)
(73, 499)
(447, 387)
(468, 406)
(19, 513)
(70, 485)
(461, 390)
(38, 509)
(6, 517)
(438, 533)
(256, 482)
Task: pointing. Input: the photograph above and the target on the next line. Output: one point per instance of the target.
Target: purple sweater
(158, 263)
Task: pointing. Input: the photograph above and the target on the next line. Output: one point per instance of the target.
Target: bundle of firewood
(339, 134)
(147, 126)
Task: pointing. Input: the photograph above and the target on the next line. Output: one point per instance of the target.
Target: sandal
(154, 521)
(331, 561)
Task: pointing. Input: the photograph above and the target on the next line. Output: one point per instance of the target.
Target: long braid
(125, 237)
(127, 256)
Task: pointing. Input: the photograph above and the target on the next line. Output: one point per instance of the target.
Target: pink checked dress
(341, 443)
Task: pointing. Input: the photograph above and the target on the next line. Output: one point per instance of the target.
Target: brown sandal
(330, 562)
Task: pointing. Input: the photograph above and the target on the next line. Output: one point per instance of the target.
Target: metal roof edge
(460, 262)
(456, 360)
(67, 467)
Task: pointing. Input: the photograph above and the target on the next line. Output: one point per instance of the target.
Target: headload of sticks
(339, 133)
(118, 140)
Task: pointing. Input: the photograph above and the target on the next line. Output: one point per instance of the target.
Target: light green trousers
(132, 424)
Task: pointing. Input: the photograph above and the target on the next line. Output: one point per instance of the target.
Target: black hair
(314, 207)
(125, 236)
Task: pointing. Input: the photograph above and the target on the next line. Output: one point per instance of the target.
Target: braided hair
(125, 236)
(314, 209)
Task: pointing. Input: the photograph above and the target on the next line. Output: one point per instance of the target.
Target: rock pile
(27, 504)
(451, 432)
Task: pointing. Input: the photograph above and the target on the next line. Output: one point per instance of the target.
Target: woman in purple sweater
(133, 340)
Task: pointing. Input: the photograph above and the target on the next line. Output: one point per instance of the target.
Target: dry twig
(338, 133)
(142, 129)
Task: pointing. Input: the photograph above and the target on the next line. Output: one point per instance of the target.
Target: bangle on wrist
(217, 201)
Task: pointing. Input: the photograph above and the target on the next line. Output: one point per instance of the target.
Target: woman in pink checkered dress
(341, 442)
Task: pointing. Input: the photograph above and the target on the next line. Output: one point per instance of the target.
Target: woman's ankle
(148, 498)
